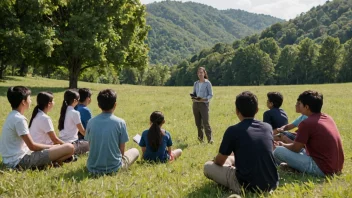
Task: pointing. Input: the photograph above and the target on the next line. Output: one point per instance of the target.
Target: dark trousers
(201, 117)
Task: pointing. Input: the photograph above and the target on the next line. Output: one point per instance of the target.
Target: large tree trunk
(74, 71)
(2, 69)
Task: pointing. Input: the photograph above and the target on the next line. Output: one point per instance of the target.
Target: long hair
(43, 99)
(155, 134)
(69, 97)
(205, 72)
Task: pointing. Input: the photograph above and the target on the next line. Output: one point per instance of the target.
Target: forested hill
(179, 30)
(315, 47)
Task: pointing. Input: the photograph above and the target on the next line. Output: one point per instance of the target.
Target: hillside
(181, 29)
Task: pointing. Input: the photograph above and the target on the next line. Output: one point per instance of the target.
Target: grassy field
(184, 177)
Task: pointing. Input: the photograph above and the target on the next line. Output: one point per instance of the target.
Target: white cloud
(285, 9)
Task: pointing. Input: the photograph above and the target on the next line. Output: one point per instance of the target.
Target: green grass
(184, 177)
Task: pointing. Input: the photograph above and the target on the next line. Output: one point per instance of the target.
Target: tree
(286, 65)
(269, 46)
(345, 74)
(84, 34)
(307, 54)
(327, 64)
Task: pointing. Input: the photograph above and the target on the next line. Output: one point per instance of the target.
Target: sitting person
(107, 144)
(41, 127)
(319, 135)
(84, 100)
(275, 116)
(284, 130)
(70, 123)
(156, 142)
(17, 148)
(252, 166)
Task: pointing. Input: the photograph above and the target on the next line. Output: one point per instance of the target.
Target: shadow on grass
(210, 189)
(180, 144)
(34, 90)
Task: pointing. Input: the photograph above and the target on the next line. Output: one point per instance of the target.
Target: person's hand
(280, 130)
(172, 157)
(278, 143)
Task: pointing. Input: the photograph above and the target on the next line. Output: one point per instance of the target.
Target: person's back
(84, 100)
(252, 143)
(105, 155)
(275, 116)
(12, 147)
(323, 142)
(39, 128)
(160, 154)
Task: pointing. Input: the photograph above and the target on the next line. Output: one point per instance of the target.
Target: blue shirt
(161, 154)
(299, 120)
(86, 115)
(204, 90)
(252, 143)
(275, 117)
(105, 133)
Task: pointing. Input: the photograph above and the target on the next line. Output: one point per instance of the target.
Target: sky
(284, 9)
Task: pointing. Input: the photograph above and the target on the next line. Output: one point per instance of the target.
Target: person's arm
(286, 127)
(32, 145)
(81, 129)
(122, 148)
(54, 138)
(169, 151)
(220, 159)
(209, 91)
(295, 146)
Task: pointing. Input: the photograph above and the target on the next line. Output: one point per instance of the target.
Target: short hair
(16, 94)
(107, 99)
(247, 104)
(84, 93)
(276, 98)
(313, 99)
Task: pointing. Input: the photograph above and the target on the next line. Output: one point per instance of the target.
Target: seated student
(251, 141)
(275, 116)
(284, 129)
(41, 127)
(320, 136)
(17, 148)
(84, 100)
(107, 144)
(70, 123)
(156, 142)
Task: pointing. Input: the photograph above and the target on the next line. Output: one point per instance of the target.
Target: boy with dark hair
(16, 145)
(107, 144)
(84, 100)
(275, 116)
(251, 141)
(319, 135)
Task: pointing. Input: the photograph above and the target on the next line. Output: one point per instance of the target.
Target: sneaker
(73, 158)
(210, 141)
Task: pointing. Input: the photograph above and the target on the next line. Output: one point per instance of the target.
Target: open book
(137, 138)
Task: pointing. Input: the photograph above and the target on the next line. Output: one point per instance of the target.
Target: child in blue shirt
(84, 100)
(156, 142)
(275, 116)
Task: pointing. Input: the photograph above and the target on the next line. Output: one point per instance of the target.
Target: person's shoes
(73, 158)
(210, 141)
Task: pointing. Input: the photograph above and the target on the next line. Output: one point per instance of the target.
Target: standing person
(17, 148)
(156, 142)
(107, 144)
(70, 123)
(41, 126)
(84, 100)
(319, 135)
(253, 165)
(202, 93)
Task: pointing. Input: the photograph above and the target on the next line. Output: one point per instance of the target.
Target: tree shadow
(78, 174)
(210, 189)
(179, 144)
(34, 90)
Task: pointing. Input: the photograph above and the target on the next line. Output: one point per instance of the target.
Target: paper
(137, 138)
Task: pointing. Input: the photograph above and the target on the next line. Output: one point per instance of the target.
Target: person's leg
(224, 175)
(204, 112)
(60, 153)
(37, 159)
(299, 161)
(177, 153)
(81, 146)
(198, 120)
(130, 157)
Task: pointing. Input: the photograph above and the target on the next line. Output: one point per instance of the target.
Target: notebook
(137, 138)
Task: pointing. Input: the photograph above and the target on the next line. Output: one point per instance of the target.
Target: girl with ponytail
(156, 142)
(41, 126)
(70, 122)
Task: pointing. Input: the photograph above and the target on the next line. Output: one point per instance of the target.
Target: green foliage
(305, 65)
(345, 74)
(284, 69)
(181, 29)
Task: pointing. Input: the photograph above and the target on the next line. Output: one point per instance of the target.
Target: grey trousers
(201, 117)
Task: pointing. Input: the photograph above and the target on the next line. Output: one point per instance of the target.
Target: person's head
(107, 100)
(275, 100)
(71, 98)
(246, 104)
(310, 102)
(44, 101)
(155, 134)
(84, 95)
(19, 97)
(202, 73)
